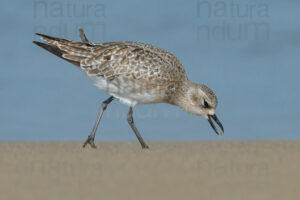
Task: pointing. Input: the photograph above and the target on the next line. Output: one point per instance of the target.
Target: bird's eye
(205, 104)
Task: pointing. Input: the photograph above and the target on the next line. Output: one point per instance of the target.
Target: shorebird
(135, 73)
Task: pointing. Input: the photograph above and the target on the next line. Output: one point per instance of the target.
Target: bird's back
(122, 68)
(175, 66)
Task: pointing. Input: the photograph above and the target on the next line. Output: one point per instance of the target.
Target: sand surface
(168, 170)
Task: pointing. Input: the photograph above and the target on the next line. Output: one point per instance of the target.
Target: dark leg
(91, 137)
(131, 123)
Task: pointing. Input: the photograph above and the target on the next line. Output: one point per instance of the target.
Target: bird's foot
(145, 146)
(90, 141)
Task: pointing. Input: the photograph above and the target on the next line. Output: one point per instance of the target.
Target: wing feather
(133, 60)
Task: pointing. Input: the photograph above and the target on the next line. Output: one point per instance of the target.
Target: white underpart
(123, 91)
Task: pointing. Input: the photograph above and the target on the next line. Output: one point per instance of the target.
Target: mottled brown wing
(167, 56)
(109, 60)
(120, 59)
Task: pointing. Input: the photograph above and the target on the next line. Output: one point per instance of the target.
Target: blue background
(256, 79)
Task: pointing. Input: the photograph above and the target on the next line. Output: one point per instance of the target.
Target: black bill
(215, 118)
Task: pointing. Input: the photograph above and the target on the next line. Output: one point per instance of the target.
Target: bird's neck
(180, 97)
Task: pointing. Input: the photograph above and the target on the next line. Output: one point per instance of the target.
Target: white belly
(127, 92)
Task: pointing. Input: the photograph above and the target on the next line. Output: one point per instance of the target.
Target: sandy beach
(168, 170)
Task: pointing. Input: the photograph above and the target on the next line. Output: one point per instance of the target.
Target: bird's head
(200, 100)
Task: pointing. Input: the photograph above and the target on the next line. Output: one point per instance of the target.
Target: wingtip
(44, 36)
(40, 34)
(56, 51)
(38, 43)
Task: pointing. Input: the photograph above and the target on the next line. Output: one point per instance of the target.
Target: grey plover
(135, 73)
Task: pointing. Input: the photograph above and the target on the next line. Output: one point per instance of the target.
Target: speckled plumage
(122, 68)
(135, 73)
